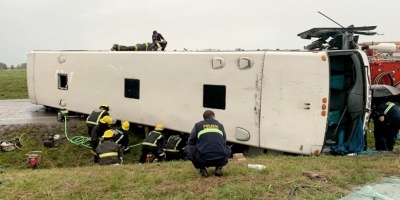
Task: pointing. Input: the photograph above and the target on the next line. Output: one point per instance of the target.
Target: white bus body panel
(294, 85)
(171, 86)
(277, 101)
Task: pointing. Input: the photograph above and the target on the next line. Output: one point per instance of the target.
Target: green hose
(134, 145)
(77, 140)
(83, 140)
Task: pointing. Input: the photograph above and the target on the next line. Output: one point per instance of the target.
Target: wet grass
(179, 180)
(66, 154)
(13, 84)
(68, 173)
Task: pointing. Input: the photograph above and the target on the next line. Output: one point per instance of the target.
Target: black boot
(218, 171)
(203, 172)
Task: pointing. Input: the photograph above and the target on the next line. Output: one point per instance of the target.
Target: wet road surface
(22, 111)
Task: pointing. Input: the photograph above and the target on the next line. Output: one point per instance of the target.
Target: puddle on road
(23, 112)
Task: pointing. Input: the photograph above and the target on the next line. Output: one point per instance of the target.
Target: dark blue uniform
(207, 144)
(390, 125)
(157, 38)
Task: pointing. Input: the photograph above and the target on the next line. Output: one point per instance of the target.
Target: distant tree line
(4, 66)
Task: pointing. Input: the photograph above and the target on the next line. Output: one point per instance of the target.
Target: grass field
(13, 84)
(67, 172)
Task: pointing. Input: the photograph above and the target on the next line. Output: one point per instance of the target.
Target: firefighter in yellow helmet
(121, 136)
(154, 143)
(95, 116)
(108, 151)
(105, 123)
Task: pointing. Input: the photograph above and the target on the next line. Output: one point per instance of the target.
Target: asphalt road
(22, 111)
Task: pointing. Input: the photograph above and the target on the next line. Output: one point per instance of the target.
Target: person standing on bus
(207, 145)
(389, 115)
(159, 40)
(95, 116)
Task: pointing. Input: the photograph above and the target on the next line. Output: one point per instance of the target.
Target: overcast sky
(27, 25)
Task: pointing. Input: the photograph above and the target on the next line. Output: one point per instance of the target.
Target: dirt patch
(40, 130)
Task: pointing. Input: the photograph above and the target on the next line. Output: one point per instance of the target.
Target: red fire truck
(384, 61)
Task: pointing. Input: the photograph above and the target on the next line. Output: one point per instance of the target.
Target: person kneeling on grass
(109, 152)
(121, 136)
(154, 143)
(207, 145)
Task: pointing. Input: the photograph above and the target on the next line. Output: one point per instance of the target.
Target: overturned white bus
(287, 101)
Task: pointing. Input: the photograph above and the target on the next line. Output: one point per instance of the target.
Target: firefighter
(207, 145)
(174, 149)
(97, 132)
(154, 143)
(108, 151)
(159, 40)
(121, 136)
(147, 46)
(94, 117)
(388, 114)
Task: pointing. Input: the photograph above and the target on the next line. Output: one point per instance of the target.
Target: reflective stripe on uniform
(171, 150)
(209, 131)
(390, 105)
(120, 138)
(154, 142)
(149, 144)
(109, 154)
(173, 142)
(91, 121)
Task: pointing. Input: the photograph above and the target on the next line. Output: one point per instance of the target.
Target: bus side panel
(30, 77)
(294, 86)
(171, 86)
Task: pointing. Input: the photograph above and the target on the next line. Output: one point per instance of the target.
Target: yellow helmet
(106, 120)
(108, 134)
(105, 105)
(125, 125)
(159, 127)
